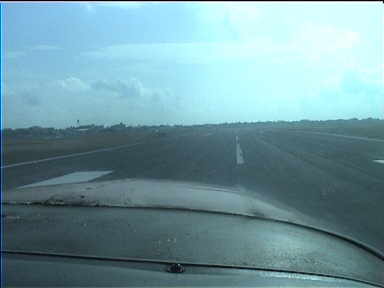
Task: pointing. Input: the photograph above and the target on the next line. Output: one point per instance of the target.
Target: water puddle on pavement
(76, 177)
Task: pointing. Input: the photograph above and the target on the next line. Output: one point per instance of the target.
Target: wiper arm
(171, 262)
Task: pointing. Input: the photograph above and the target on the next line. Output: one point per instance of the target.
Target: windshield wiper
(183, 263)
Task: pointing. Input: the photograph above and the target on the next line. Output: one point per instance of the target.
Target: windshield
(279, 103)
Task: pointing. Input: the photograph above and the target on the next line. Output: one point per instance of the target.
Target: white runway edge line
(346, 136)
(76, 177)
(70, 155)
(239, 153)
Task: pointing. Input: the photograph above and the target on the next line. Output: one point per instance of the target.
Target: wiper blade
(184, 263)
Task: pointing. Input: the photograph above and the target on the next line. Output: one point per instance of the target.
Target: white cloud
(61, 102)
(73, 84)
(133, 88)
(353, 95)
(316, 42)
(188, 52)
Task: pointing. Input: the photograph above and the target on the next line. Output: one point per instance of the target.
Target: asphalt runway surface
(332, 178)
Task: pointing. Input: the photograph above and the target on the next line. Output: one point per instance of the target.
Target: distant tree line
(92, 128)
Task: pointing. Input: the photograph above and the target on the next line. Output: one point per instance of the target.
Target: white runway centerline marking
(239, 153)
(379, 161)
(75, 177)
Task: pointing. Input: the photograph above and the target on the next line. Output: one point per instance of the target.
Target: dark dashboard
(76, 246)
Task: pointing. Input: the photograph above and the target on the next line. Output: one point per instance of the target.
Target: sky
(152, 63)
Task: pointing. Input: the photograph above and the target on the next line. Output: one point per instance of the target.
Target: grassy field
(17, 150)
(362, 128)
(371, 128)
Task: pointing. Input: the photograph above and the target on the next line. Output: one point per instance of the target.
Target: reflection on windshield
(279, 111)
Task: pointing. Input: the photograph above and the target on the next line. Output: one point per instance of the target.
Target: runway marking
(346, 136)
(69, 155)
(239, 153)
(379, 161)
(76, 177)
